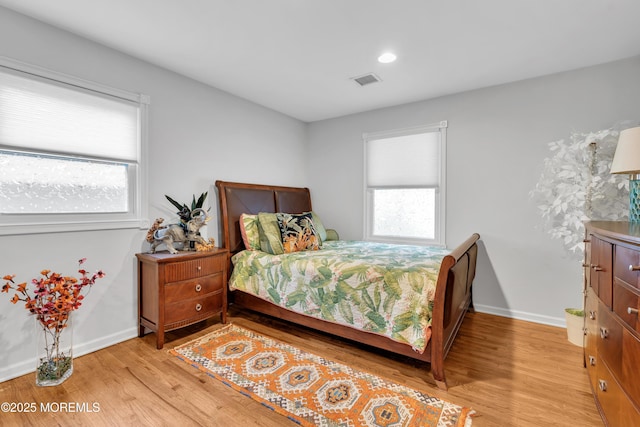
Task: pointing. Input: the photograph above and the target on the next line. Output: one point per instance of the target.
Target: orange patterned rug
(311, 390)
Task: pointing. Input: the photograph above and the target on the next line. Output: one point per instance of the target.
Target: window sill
(62, 227)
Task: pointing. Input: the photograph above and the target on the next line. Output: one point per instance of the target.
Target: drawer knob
(592, 315)
(604, 333)
(592, 361)
(631, 310)
(199, 268)
(198, 287)
(634, 267)
(602, 384)
(198, 307)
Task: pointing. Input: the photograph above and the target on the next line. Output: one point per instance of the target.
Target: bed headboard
(238, 198)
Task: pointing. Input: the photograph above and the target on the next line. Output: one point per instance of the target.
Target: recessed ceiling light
(386, 58)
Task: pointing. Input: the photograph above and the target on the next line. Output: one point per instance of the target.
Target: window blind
(38, 114)
(410, 160)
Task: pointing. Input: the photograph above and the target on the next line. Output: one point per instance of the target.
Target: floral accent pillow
(250, 232)
(298, 232)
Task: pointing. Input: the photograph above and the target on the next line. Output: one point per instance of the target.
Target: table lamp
(627, 160)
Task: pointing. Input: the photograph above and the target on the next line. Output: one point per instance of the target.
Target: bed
(440, 280)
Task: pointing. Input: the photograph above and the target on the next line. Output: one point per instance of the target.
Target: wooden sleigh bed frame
(453, 289)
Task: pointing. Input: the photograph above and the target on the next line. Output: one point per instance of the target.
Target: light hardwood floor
(512, 373)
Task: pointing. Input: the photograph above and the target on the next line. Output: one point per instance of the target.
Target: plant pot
(575, 326)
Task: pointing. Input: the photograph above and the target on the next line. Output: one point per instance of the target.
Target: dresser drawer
(591, 336)
(618, 409)
(627, 263)
(630, 364)
(179, 291)
(625, 304)
(609, 340)
(183, 270)
(601, 269)
(185, 311)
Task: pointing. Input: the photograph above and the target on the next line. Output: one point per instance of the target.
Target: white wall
(496, 142)
(197, 134)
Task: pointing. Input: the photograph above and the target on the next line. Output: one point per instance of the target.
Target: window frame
(135, 217)
(440, 194)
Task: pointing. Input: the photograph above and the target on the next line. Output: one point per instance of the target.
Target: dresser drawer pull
(604, 333)
(198, 287)
(602, 384)
(198, 307)
(592, 315)
(592, 361)
(634, 267)
(199, 268)
(631, 310)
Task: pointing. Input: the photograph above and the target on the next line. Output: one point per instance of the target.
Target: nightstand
(177, 290)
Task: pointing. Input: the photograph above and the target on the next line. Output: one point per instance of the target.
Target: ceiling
(298, 56)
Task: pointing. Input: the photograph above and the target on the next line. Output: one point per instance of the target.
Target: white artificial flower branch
(576, 185)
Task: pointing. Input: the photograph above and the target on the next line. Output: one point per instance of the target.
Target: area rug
(311, 390)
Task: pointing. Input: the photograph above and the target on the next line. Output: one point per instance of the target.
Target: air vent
(367, 79)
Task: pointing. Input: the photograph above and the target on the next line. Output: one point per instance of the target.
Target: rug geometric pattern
(311, 390)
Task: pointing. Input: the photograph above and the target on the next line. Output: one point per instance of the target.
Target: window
(70, 153)
(404, 185)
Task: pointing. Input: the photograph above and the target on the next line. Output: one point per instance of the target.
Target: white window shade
(416, 161)
(41, 115)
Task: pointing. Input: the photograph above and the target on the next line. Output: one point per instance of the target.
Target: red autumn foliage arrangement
(52, 300)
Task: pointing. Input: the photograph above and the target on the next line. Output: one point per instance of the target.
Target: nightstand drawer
(180, 291)
(627, 261)
(188, 310)
(183, 270)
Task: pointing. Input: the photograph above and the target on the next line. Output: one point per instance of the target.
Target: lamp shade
(627, 157)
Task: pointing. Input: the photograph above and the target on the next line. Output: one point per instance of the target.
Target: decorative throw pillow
(269, 230)
(322, 232)
(298, 232)
(250, 232)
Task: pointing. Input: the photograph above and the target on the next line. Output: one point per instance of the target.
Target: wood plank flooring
(512, 373)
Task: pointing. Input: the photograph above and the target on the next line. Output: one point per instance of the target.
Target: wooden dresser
(612, 327)
(181, 289)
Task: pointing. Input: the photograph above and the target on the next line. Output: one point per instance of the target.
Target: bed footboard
(453, 299)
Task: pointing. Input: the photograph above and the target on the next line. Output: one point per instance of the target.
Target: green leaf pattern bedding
(380, 288)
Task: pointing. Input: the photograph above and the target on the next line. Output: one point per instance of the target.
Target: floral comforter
(380, 288)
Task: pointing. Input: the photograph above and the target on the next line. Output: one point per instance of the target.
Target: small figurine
(178, 233)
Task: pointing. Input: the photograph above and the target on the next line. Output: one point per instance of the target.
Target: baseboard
(522, 315)
(27, 366)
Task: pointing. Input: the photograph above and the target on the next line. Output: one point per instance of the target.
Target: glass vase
(54, 363)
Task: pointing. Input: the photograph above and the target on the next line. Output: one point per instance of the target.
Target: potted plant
(576, 186)
(52, 300)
